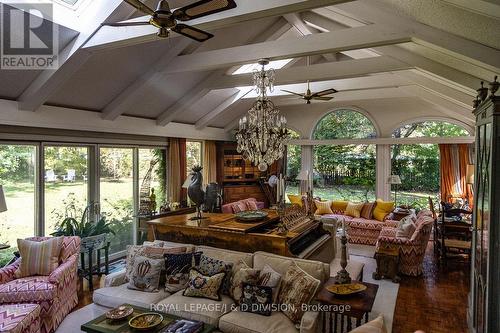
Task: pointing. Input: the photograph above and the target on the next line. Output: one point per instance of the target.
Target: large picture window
(193, 154)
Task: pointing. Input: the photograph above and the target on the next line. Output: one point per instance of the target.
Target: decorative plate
(251, 215)
(120, 312)
(346, 289)
(146, 321)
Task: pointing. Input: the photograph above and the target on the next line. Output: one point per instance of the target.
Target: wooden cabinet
(485, 280)
(240, 178)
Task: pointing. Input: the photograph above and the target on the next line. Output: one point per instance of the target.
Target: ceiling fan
(308, 95)
(166, 20)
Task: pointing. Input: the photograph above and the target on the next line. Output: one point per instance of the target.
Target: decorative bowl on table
(251, 215)
(346, 289)
(146, 321)
(119, 313)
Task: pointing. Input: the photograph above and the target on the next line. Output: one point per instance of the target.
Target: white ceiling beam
(246, 11)
(320, 72)
(331, 42)
(120, 104)
(70, 59)
(275, 31)
(489, 8)
(206, 119)
(442, 41)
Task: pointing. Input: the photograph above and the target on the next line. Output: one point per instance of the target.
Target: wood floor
(435, 302)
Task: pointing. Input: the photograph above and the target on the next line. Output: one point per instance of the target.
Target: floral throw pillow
(243, 275)
(256, 299)
(204, 286)
(270, 278)
(211, 266)
(297, 288)
(177, 268)
(146, 274)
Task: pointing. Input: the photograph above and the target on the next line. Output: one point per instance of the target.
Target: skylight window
(249, 68)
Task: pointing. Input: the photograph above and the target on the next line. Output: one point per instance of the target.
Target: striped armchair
(412, 250)
(56, 294)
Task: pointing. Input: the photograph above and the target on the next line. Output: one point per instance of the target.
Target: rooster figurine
(195, 190)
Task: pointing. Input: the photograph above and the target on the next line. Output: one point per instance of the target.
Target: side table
(344, 310)
(387, 263)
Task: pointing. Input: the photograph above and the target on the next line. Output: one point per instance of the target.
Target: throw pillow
(323, 207)
(339, 206)
(295, 199)
(204, 286)
(297, 288)
(256, 299)
(211, 266)
(406, 230)
(177, 268)
(251, 204)
(270, 278)
(153, 252)
(239, 206)
(354, 209)
(382, 209)
(243, 275)
(367, 211)
(146, 274)
(38, 258)
(374, 326)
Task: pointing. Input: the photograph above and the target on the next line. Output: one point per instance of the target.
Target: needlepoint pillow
(295, 199)
(243, 274)
(153, 252)
(146, 274)
(211, 266)
(339, 206)
(323, 207)
(256, 299)
(177, 267)
(38, 258)
(204, 286)
(382, 209)
(354, 209)
(270, 278)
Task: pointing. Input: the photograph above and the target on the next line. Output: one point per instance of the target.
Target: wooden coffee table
(346, 308)
(101, 324)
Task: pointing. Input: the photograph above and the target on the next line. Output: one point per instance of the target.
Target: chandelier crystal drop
(262, 133)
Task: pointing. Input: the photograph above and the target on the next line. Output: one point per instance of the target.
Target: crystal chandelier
(262, 133)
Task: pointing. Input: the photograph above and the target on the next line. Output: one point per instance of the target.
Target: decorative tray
(346, 289)
(251, 215)
(146, 321)
(119, 313)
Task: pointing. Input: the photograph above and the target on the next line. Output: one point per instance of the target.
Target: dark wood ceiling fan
(166, 20)
(308, 95)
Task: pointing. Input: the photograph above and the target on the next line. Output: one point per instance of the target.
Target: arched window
(344, 124)
(431, 128)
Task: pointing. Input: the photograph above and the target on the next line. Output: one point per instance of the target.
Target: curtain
(453, 169)
(209, 163)
(176, 170)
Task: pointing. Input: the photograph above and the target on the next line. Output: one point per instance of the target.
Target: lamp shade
(394, 180)
(469, 177)
(187, 182)
(3, 204)
(303, 175)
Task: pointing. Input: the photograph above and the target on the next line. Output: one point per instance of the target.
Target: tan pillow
(243, 274)
(406, 230)
(38, 258)
(339, 206)
(367, 211)
(374, 326)
(354, 209)
(152, 252)
(323, 207)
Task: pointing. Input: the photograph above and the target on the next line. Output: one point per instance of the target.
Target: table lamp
(394, 180)
(3, 204)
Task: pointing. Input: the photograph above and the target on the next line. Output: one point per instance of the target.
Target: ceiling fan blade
(202, 8)
(324, 92)
(322, 98)
(140, 6)
(291, 92)
(191, 32)
(125, 24)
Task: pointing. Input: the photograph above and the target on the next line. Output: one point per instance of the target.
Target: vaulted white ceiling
(395, 59)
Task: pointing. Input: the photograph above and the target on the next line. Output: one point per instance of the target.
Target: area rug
(385, 302)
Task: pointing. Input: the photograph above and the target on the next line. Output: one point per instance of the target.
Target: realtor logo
(29, 38)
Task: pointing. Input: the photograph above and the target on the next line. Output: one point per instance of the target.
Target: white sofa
(221, 313)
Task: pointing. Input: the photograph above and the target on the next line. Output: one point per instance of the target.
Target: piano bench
(355, 268)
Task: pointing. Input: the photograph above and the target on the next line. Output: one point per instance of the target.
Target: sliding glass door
(66, 183)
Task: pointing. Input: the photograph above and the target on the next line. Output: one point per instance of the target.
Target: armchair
(411, 250)
(56, 294)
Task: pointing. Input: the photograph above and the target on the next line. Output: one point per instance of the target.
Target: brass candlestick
(342, 276)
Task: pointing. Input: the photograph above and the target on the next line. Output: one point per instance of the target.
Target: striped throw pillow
(38, 258)
(323, 207)
(354, 209)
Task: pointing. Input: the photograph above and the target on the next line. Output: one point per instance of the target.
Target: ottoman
(19, 318)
